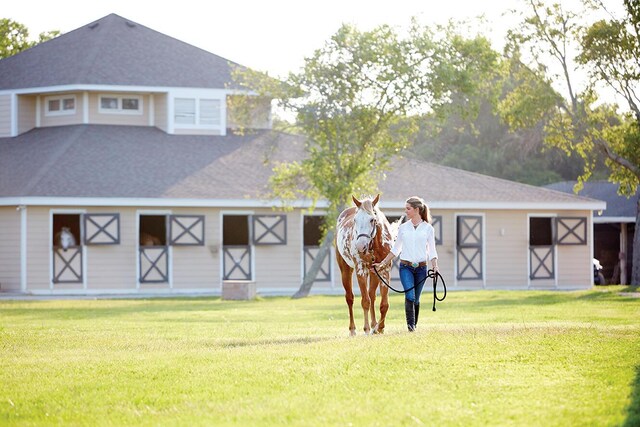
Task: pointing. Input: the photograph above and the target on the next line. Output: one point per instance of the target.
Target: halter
(370, 235)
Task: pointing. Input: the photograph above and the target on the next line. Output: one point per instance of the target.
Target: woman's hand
(378, 265)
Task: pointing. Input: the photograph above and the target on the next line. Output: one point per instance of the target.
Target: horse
(364, 236)
(147, 239)
(64, 238)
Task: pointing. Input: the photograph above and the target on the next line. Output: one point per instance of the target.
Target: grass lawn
(502, 358)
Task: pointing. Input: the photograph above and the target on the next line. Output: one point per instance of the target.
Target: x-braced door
(154, 264)
(236, 247)
(310, 253)
(237, 262)
(67, 264)
(469, 247)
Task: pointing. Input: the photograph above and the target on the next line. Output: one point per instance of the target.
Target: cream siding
(160, 111)
(9, 249)
(507, 250)
(5, 116)
(38, 248)
(198, 267)
(118, 118)
(26, 113)
(574, 268)
(279, 266)
(64, 119)
(113, 267)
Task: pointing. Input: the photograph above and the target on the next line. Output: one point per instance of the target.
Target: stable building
(122, 136)
(613, 227)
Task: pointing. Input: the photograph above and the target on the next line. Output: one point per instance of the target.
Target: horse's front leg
(346, 273)
(364, 301)
(373, 287)
(384, 305)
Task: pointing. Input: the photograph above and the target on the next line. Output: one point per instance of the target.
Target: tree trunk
(635, 271)
(310, 277)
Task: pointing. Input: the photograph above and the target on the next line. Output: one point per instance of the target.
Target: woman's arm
(431, 249)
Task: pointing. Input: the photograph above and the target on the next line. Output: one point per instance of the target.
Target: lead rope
(430, 274)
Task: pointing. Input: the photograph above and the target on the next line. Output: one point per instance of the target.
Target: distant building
(613, 227)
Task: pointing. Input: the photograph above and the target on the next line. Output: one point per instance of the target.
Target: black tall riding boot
(416, 309)
(411, 315)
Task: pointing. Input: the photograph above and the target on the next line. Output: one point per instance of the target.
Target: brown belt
(413, 264)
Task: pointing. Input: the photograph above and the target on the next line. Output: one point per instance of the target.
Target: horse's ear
(375, 201)
(356, 201)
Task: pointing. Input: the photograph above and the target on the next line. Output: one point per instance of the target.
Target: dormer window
(120, 104)
(60, 105)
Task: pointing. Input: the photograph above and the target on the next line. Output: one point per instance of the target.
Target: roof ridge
(91, 58)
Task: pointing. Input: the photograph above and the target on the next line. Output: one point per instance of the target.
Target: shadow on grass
(633, 415)
(549, 298)
(42, 309)
(282, 341)
(113, 308)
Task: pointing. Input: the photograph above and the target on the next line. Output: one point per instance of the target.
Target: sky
(273, 36)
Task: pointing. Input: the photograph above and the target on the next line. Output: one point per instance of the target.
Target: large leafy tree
(550, 47)
(14, 37)
(350, 101)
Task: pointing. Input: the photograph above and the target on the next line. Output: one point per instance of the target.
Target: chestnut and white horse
(364, 236)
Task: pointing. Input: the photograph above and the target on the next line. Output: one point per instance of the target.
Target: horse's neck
(381, 248)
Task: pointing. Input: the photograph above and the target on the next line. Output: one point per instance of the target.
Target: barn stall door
(67, 263)
(542, 250)
(312, 235)
(153, 251)
(545, 234)
(469, 247)
(236, 248)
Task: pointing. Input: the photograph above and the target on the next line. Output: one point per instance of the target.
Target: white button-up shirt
(415, 244)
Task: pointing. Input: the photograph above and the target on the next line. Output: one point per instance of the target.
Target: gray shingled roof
(617, 205)
(445, 184)
(114, 51)
(131, 161)
(144, 162)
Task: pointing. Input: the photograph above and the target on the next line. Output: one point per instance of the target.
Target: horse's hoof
(352, 333)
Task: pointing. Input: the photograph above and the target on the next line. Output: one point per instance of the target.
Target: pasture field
(484, 358)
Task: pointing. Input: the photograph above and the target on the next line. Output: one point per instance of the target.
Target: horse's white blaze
(65, 238)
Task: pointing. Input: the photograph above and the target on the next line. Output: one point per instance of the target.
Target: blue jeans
(410, 276)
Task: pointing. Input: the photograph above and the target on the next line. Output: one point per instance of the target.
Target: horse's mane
(394, 227)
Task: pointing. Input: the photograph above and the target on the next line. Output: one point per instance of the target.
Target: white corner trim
(14, 114)
(23, 247)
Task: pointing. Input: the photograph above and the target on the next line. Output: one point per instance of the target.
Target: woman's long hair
(417, 203)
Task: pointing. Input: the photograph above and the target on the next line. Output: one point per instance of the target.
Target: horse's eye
(372, 220)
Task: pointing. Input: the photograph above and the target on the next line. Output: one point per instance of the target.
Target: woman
(416, 245)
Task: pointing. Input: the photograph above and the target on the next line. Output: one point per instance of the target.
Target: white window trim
(120, 110)
(197, 124)
(60, 112)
